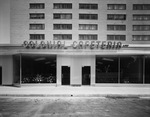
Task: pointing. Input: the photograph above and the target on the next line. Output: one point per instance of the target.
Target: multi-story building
(75, 42)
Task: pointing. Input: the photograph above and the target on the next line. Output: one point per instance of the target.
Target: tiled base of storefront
(132, 91)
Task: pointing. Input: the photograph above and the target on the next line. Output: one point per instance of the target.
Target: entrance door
(65, 75)
(0, 75)
(86, 75)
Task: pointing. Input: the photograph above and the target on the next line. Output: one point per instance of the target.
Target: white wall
(6, 62)
(4, 21)
(75, 63)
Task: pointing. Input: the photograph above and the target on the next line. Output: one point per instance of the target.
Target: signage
(73, 45)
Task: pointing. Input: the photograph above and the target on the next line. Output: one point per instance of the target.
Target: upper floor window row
(141, 27)
(141, 17)
(62, 16)
(88, 26)
(88, 6)
(116, 17)
(37, 16)
(37, 6)
(62, 26)
(88, 16)
(88, 37)
(116, 6)
(141, 6)
(62, 36)
(116, 27)
(140, 37)
(37, 36)
(37, 26)
(116, 37)
(62, 5)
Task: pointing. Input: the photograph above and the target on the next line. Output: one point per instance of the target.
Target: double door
(85, 78)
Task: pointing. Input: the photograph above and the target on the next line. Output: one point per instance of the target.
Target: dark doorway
(0, 75)
(86, 75)
(65, 75)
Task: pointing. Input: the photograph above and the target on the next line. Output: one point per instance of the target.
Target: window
(116, 17)
(37, 15)
(37, 36)
(88, 6)
(62, 16)
(88, 27)
(141, 27)
(116, 27)
(87, 37)
(107, 69)
(62, 26)
(116, 37)
(37, 5)
(141, 17)
(62, 6)
(88, 16)
(141, 6)
(37, 26)
(62, 36)
(116, 6)
(141, 38)
(131, 69)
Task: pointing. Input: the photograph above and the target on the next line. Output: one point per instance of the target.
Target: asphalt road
(74, 107)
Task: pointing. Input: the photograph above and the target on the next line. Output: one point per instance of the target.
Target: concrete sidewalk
(83, 91)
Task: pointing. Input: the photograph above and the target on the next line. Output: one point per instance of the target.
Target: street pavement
(73, 107)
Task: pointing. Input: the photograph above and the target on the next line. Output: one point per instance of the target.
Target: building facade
(75, 42)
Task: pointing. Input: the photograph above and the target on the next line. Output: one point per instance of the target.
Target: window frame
(88, 36)
(43, 17)
(61, 26)
(114, 6)
(42, 4)
(62, 16)
(61, 36)
(89, 6)
(38, 36)
(42, 25)
(115, 37)
(88, 16)
(116, 27)
(61, 5)
(116, 17)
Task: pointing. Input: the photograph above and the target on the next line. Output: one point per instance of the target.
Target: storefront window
(16, 69)
(147, 69)
(131, 69)
(38, 69)
(106, 69)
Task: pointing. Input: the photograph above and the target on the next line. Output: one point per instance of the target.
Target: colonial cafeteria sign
(73, 45)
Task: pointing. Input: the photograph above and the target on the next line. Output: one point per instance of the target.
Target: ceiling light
(39, 59)
(107, 59)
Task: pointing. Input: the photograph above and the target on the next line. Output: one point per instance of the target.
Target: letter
(42, 45)
(47, 45)
(113, 45)
(98, 44)
(54, 46)
(25, 44)
(74, 45)
(31, 44)
(92, 46)
(109, 45)
(119, 45)
(80, 46)
(37, 45)
(103, 46)
(59, 44)
(87, 44)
